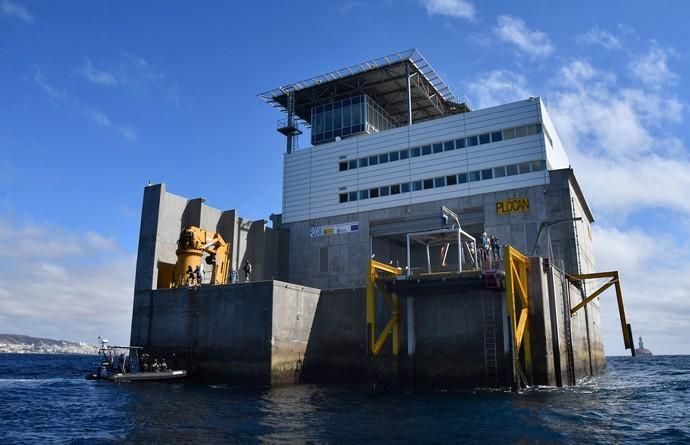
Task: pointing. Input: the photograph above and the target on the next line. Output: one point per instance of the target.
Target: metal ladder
(489, 327)
(568, 332)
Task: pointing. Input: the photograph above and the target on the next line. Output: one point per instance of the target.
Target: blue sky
(97, 98)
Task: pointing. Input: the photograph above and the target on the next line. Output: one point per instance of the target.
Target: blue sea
(45, 399)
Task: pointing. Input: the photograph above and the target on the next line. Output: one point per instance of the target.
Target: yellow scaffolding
(614, 280)
(517, 302)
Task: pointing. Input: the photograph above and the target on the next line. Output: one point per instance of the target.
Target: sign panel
(335, 229)
(512, 205)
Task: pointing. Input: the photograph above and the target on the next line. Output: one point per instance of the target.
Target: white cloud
(598, 37)
(98, 116)
(96, 76)
(533, 43)
(10, 9)
(64, 284)
(48, 88)
(128, 133)
(451, 8)
(652, 68)
(497, 87)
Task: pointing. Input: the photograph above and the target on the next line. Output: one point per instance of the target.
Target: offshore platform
(421, 243)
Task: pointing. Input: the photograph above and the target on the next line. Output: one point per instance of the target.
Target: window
(373, 160)
(449, 145)
(393, 156)
(428, 184)
(352, 164)
(462, 178)
(385, 190)
(472, 141)
(459, 143)
(363, 194)
(520, 132)
(538, 165)
(405, 187)
(426, 150)
(499, 172)
(353, 196)
(416, 185)
(484, 138)
(342, 166)
(511, 169)
(509, 133)
(440, 182)
(534, 129)
(487, 174)
(395, 189)
(343, 197)
(496, 136)
(404, 154)
(383, 158)
(451, 180)
(438, 148)
(415, 152)
(524, 167)
(363, 162)
(475, 176)
(374, 193)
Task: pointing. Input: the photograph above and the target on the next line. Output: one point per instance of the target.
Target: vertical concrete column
(145, 278)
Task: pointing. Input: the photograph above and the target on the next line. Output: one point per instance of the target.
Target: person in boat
(164, 366)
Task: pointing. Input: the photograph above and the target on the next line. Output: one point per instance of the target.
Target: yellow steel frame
(392, 327)
(517, 301)
(614, 280)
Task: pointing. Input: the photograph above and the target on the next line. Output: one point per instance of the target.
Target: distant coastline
(25, 344)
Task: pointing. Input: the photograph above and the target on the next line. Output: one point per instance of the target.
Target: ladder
(568, 331)
(489, 328)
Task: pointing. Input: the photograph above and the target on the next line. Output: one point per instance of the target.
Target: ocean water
(45, 399)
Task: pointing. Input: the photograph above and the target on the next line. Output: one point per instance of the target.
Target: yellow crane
(191, 246)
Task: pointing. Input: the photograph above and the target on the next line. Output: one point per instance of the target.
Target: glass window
(373, 160)
(509, 133)
(487, 174)
(426, 150)
(462, 178)
(385, 190)
(538, 165)
(475, 176)
(343, 197)
(329, 120)
(459, 143)
(532, 129)
(511, 169)
(472, 141)
(414, 152)
(393, 156)
(496, 136)
(438, 148)
(374, 193)
(337, 118)
(404, 154)
(342, 166)
(363, 194)
(395, 189)
(524, 167)
(416, 185)
(383, 158)
(353, 196)
(520, 132)
(352, 164)
(428, 184)
(356, 113)
(499, 172)
(405, 187)
(484, 138)
(440, 182)
(363, 162)
(347, 114)
(449, 145)
(451, 180)
(538, 128)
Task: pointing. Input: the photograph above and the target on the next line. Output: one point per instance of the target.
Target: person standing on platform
(247, 269)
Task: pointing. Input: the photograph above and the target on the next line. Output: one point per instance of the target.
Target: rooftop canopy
(384, 80)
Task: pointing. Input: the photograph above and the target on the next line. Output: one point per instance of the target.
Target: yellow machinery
(191, 246)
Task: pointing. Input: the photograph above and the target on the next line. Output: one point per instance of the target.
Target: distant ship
(641, 349)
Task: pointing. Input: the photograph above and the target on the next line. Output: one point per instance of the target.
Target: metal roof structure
(385, 80)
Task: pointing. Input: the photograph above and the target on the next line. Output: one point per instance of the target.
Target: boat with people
(131, 364)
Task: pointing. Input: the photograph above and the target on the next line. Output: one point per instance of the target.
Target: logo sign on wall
(335, 229)
(512, 205)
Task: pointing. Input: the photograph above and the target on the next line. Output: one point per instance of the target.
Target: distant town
(24, 344)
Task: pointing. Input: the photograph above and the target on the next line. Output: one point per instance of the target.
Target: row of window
(439, 147)
(443, 181)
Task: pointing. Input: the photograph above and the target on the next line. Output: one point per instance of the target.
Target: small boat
(124, 364)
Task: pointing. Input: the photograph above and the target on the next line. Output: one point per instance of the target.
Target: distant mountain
(24, 344)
